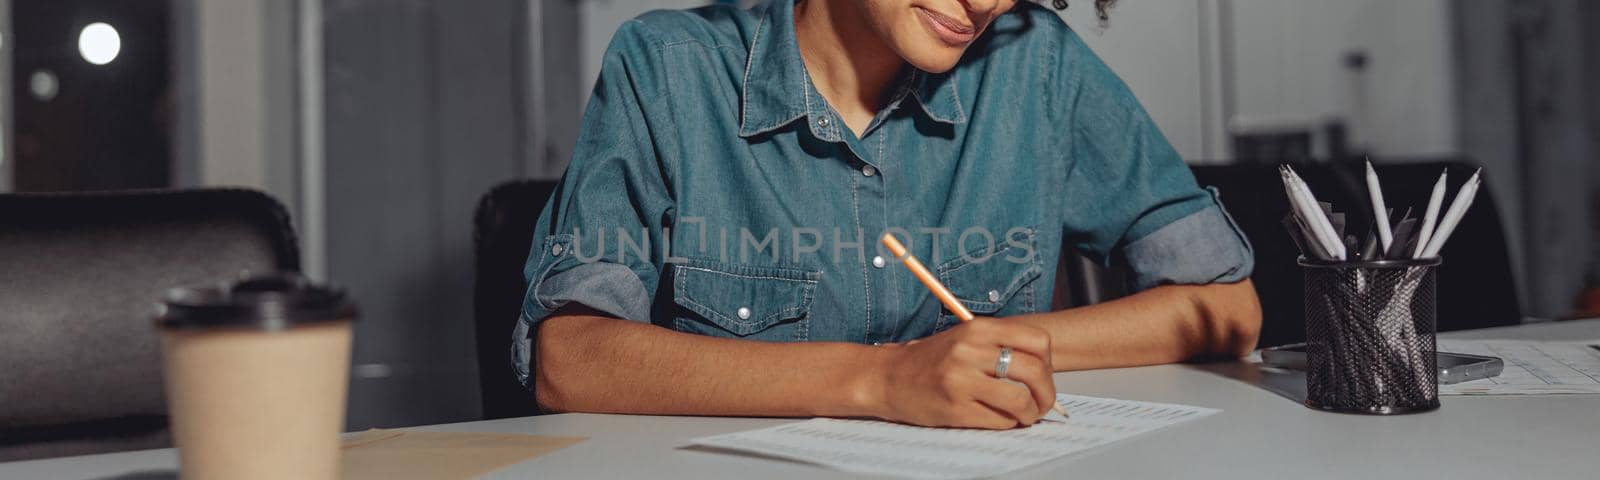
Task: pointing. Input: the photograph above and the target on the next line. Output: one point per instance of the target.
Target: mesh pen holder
(1370, 336)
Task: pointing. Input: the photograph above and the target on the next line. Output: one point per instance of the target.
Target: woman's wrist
(1050, 323)
(863, 381)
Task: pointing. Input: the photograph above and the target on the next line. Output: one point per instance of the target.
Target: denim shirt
(714, 191)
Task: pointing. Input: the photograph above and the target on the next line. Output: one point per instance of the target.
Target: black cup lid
(268, 302)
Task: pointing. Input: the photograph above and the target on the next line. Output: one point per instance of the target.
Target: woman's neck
(850, 64)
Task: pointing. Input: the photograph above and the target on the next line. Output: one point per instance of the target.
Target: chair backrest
(1474, 283)
(81, 275)
(502, 234)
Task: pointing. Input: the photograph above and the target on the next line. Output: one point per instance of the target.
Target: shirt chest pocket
(994, 282)
(737, 301)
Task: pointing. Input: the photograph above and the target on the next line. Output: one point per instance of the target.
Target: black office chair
(81, 275)
(502, 235)
(1475, 284)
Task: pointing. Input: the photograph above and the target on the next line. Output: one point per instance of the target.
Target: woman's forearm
(1161, 325)
(591, 363)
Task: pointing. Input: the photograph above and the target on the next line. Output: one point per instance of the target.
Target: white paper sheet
(882, 448)
(1532, 368)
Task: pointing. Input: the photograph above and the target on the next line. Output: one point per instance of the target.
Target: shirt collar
(939, 96)
(777, 90)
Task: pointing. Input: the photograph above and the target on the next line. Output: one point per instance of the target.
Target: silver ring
(1003, 363)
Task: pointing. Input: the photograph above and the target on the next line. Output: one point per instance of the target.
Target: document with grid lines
(883, 448)
(1531, 368)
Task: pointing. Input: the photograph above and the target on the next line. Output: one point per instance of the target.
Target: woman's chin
(934, 60)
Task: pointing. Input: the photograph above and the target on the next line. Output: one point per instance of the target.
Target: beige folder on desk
(400, 454)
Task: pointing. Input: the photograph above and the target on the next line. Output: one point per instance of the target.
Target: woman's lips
(948, 29)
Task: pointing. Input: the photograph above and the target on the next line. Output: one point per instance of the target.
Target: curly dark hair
(1101, 7)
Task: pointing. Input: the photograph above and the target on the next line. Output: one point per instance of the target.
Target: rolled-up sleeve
(1127, 191)
(597, 241)
(615, 287)
(1204, 247)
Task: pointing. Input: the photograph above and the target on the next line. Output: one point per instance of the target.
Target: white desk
(1259, 434)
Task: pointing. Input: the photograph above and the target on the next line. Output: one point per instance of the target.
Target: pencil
(1430, 219)
(1452, 217)
(1380, 211)
(939, 291)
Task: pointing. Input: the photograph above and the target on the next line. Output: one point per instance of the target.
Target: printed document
(882, 448)
(1532, 368)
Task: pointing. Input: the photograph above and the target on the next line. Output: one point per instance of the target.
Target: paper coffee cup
(256, 374)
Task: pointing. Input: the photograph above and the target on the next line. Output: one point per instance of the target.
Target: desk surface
(1258, 432)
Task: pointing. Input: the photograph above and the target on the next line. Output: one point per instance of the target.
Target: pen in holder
(1370, 336)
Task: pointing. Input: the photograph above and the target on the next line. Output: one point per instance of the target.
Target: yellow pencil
(939, 291)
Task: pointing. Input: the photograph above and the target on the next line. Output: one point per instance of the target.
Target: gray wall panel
(1556, 150)
(1486, 90)
(5, 98)
(419, 108)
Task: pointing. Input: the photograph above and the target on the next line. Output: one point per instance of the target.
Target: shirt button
(743, 313)
(822, 122)
(994, 295)
(556, 250)
(868, 170)
(879, 262)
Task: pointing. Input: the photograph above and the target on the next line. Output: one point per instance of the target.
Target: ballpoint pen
(1306, 204)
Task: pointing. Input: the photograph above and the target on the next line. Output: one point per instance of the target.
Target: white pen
(1380, 212)
(1318, 218)
(1431, 218)
(1458, 208)
(1312, 213)
(1297, 204)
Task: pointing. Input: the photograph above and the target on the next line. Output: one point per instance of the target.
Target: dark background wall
(1591, 17)
(103, 126)
(5, 89)
(421, 118)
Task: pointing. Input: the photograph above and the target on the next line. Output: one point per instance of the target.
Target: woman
(711, 249)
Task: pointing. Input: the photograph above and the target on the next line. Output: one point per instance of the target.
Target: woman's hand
(948, 380)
